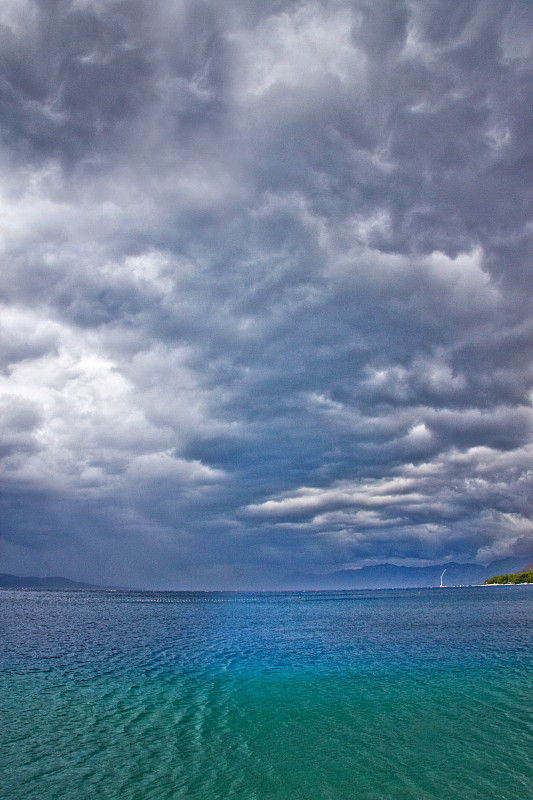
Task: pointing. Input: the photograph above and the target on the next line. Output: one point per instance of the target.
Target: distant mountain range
(380, 576)
(391, 576)
(31, 582)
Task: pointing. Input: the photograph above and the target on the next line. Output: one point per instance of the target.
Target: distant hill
(524, 576)
(31, 582)
(391, 576)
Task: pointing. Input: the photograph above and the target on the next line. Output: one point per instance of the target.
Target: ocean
(357, 695)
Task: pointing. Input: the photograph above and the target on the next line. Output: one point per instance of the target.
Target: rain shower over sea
(378, 695)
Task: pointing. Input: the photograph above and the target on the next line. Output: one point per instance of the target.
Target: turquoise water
(386, 695)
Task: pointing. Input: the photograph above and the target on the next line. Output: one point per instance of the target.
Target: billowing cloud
(266, 287)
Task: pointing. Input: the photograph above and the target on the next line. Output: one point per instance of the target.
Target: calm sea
(383, 695)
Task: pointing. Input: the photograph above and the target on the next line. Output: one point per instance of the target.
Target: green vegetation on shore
(516, 577)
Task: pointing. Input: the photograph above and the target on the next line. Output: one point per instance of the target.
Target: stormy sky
(266, 290)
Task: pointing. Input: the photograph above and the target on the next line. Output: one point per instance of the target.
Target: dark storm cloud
(266, 286)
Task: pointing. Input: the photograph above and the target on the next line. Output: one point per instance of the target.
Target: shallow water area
(384, 695)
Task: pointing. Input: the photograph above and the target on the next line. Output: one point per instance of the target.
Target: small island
(526, 576)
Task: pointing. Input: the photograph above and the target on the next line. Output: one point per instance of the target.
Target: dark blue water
(383, 695)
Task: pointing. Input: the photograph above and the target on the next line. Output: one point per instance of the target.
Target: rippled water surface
(386, 695)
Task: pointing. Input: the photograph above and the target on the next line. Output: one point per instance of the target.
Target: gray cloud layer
(266, 286)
